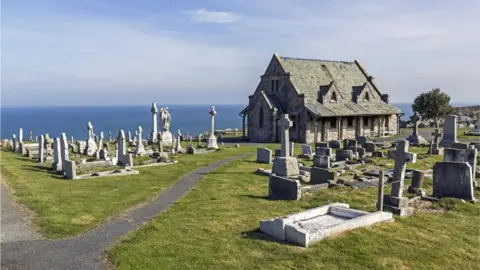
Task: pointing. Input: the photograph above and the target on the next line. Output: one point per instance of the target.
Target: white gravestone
(41, 149)
(64, 149)
(57, 159)
(212, 140)
(153, 134)
(449, 130)
(91, 148)
(140, 150)
(165, 120)
(285, 165)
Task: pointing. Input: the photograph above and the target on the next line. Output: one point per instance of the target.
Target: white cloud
(203, 15)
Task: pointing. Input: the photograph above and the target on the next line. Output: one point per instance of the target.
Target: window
(387, 120)
(367, 96)
(350, 121)
(333, 122)
(260, 117)
(276, 85)
(334, 97)
(365, 121)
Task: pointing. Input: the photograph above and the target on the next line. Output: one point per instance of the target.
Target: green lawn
(215, 226)
(69, 207)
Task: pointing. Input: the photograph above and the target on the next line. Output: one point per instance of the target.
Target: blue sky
(116, 52)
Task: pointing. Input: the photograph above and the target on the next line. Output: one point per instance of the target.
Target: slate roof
(309, 76)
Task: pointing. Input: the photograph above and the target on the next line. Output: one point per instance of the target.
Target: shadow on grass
(39, 168)
(257, 235)
(258, 197)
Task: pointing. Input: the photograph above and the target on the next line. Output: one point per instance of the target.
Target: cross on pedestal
(436, 136)
(286, 124)
(416, 118)
(401, 157)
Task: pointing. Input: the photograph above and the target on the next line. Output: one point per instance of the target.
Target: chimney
(386, 98)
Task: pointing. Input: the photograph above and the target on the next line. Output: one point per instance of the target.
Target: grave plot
(313, 225)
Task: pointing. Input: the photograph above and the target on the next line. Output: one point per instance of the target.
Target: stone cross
(31, 136)
(179, 134)
(416, 119)
(129, 136)
(436, 136)
(109, 135)
(401, 157)
(154, 111)
(101, 135)
(212, 113)
(90, 130)
(64, 148)
(285, 124)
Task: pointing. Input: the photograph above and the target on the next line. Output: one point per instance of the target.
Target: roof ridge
(315, 59)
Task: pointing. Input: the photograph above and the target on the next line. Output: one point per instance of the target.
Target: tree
(432, 105)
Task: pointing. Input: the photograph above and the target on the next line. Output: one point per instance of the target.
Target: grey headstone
(322, 144)
(460, 155)
(458, 145)
(342, 155)
(417, 181)
(306, 150)
(320, 176)
(361, 140)
(191, 150)
(453, 179)
(281, 188)
(264, 155)
(449, 130)
(70, 169)
(361, 152)
(334, 144)
(369, 147)
(278, 152)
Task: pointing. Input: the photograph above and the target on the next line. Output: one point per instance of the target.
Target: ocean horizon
(73, 120)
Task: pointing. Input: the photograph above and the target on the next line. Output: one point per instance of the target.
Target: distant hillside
(467, 110)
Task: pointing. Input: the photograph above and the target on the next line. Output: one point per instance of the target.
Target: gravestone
(14, 143)
(342, 155)
(334, 144)
(453, 179)
(41, 149)
(153, 134)
(109, 136)
(178, 145)
(395, 202)
(129, 134)
(379, 154)
(31, 136)
(191, 149)
(285, 165)
(415, 138)
(361, 140)
(212, 140)
(322, 144)
(434, 145)
(70, 169)
(306, 150)
(103, 154)
(449, 131)
(57, 159)
(282, 188)
(417, 181)
(264, 155)
(321, 159)
(322, 176)
(63, 149)
(20, 135)
(459, 155)
(122, 156)
(278, 152)
(361, 152)
(140, 149)
(91, 146)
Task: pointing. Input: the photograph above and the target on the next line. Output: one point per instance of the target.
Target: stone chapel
(326, 100)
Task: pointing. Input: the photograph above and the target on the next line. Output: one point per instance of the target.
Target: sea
(73, 120)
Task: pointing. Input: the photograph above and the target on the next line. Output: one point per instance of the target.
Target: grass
(215, 226)
(69, 207)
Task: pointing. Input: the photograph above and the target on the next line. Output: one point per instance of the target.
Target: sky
(123, 52)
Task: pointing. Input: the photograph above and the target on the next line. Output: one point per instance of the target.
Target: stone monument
(396, 203)
(91, 148)
(165, 120)
(153, 134)
(140, 150)
(285, 165)
(449, 131)
(212, 140)
(434, 147)
(415, 138)
(476, 129)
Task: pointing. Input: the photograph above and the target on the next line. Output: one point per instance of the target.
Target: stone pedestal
(167, 138)
(285, 166)
(91, 148)
(415, 139)
(397, 206)
(212, 142)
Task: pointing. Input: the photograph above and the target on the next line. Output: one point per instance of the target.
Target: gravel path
(85, 251)
(14, 221)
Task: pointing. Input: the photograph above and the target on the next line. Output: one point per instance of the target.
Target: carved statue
(165, 119)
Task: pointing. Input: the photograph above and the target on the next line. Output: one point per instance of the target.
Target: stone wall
(264, 133)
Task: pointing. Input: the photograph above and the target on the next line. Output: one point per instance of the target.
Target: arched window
(334, 97)
(367, 96)
(260, 117)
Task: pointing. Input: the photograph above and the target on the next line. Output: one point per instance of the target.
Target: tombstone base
(447, 143)
(403, 212)
(437, 152)
(414, 139)
(56, 166)
(285, 166)
(212, 143)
